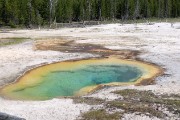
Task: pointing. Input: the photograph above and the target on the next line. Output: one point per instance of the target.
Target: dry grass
(134, 101)
(100, 115)
(11, 41)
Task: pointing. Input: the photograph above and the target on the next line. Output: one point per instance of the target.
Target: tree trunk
(29, 13)
(99, 10)
(126, 9)
(137, 8)
(89, 9)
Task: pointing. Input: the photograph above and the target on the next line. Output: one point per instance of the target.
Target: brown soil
(70, 46)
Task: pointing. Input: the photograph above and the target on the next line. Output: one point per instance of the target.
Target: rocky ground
(157, 43)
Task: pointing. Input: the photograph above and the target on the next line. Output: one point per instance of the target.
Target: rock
(4, 116)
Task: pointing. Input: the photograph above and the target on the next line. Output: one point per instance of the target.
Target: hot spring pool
(74, 77)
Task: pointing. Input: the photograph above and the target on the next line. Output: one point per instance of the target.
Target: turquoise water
(67, 83)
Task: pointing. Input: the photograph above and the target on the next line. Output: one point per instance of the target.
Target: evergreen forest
(43, 12)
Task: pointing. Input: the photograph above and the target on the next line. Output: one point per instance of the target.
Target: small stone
(4, 116)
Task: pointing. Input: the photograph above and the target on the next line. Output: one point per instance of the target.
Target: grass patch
(135, 107)
(171, 95)
(131, 93)
(149, 20)
(172, 102)
(136, 95)
(100, 115)
(11, 41)
(134, 101)
(88, 100)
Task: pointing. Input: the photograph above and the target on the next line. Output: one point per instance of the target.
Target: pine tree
(37, 12)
